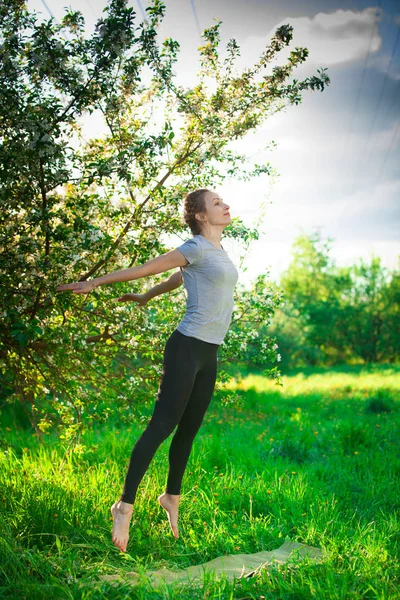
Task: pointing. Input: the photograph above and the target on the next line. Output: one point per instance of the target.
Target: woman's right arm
(164, 262)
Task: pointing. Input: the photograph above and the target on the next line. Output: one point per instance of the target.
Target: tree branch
(136, 213)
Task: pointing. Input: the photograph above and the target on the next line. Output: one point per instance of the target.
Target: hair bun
(194, 203)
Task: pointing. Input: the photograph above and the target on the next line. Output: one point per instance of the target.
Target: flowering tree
(72, 213)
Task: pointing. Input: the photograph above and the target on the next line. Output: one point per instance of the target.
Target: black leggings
(184, 394)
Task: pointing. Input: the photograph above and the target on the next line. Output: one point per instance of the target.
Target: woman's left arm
(168, 285)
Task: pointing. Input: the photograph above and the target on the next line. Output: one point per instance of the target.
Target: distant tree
(72, 213)
(390, 329)
(374, 325)
(333, 314)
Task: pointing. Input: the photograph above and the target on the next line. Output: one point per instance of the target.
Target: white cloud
(384, 63)
(334, 38)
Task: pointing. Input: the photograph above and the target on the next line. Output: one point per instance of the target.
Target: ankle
(124, 507)
(173, 496)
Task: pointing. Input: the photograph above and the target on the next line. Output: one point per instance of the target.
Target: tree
(373, 328)
(334, 315)
(69, 214)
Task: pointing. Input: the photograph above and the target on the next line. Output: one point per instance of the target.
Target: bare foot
(121, 512)
(170, 503)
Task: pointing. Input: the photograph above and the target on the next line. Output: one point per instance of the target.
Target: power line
(389, 148)
(355, 108)
(91, 9)
(142, 10)
(48, 10)
(377, 106)
(195, 17)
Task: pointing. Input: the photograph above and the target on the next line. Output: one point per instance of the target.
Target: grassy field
(316, 461)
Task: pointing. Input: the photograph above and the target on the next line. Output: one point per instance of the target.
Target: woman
(190, 355)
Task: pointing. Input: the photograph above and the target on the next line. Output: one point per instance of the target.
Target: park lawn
(315, 461)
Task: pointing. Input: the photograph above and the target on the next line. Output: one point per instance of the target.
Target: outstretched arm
(170, 284)
(161, 288)
(164, 262)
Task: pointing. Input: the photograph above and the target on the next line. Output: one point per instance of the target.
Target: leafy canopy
(74, 212)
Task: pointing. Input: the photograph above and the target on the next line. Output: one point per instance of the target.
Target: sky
(337, 153)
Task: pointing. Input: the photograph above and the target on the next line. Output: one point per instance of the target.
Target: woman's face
(217, 210)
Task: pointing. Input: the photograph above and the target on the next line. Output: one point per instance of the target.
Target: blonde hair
(194, 203)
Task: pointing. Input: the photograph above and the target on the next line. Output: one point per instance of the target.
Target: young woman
(190, 355)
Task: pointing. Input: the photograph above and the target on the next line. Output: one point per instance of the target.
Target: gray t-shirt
(209, 280)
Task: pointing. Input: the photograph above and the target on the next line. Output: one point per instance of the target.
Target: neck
(214, 236)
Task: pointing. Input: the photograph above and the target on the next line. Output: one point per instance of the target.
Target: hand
(78, 287)
(139, 298)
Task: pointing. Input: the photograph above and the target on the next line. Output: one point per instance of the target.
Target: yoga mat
(231, 566)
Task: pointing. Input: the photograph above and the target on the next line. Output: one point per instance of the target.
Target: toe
(119, 545)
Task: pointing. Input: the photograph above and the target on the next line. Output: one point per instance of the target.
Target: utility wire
(195, 17)
(364, 161)
(48, 10)
(91, 9)
(142, 10)
(389, 148)
(355, 108)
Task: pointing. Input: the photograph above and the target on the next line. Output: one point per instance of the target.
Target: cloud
(344, 25)
(385, 64)
(341, 37)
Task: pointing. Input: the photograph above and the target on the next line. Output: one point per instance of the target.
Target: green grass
(316, 461)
